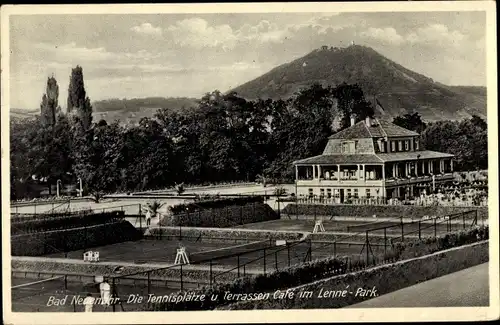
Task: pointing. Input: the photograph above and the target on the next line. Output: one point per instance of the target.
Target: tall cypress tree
(78, 101)
(49, 106)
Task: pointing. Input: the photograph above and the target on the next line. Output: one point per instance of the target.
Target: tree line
(223, 138)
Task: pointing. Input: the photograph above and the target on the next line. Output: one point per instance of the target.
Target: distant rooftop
(377, 129)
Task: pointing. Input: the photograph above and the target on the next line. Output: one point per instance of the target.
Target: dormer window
(349, 147)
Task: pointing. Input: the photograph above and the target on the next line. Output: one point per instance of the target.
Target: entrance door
(341, 195)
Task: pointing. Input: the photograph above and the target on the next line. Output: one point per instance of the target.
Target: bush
(215, 203)
(229, 216)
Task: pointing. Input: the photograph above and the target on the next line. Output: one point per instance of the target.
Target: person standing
(105, 289)
(88, 303)
(148, 218)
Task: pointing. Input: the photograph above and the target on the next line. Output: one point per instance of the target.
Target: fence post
(238, 257)
(264, 260)
(288, 252)
(276, 260)
(212, 274)
(140, 217)
(385, 243)
(419, 230)
(310, 250)
(463, 219)
(114, 293)
(182, 281)
(241, 215)
(149, 283)
(65, 282)
(402, 230)
(435, 226)
(335, 248)
(367, 251)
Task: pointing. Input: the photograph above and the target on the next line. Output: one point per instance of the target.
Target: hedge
(318, 269)
(48, 242)
(224, 234)
(228, 216)
(64, 221)
(384, 278)
(215, 203)
(389, 211)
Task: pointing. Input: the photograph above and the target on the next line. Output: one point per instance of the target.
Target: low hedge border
(385, 279)
(307, 272)
(221, 217)
(227, 233)
(388, 211)
(214, 203)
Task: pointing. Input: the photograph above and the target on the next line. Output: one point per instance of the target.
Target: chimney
(368, 121)
(353, 120)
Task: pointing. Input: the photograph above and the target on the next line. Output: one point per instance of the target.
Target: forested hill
(132, 110)
(400, 90)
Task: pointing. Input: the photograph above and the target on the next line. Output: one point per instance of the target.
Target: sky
(187, 55)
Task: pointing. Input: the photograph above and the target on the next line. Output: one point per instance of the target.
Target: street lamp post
(57, 185)
(80, 192)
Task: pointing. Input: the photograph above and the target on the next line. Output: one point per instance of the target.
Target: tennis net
(27, 289)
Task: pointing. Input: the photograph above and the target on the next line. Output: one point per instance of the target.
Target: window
(416, 144)
(349, 195)
(400, 145)
(393, 146)
(322, 192)
(381, 145)
(329, 193)
(348, 147)
(356, 194)
(407, 145)
(367, 193)
(311, 192)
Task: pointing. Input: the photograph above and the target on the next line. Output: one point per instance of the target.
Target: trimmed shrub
(216, 203)
(388, 211)
(220, 217)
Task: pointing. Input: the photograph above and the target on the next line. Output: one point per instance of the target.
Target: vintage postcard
(229, 163)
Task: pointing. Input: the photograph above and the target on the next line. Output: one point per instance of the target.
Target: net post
(65, 282)
(419, 230)
(310, 250)
(402, 230)
(335, 248)
(140, 217)
(149, 283)
(463, 220)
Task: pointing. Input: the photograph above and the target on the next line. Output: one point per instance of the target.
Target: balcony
(418, 179)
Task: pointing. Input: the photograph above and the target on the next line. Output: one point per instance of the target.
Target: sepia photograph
(249, 158)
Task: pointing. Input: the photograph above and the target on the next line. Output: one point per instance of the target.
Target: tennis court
(151, 250)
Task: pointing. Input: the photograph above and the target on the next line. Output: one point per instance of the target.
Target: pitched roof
(378, 128)
(340, 159)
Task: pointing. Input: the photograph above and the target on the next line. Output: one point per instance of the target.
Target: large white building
(372, 160)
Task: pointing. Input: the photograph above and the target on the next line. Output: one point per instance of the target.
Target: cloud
(387, 34)
(197, 33)
(147, 28)
(435, 33)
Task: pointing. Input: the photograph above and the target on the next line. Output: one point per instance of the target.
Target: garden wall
(223, 216)
(384, 279)
(48, 242)
(390, 211)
